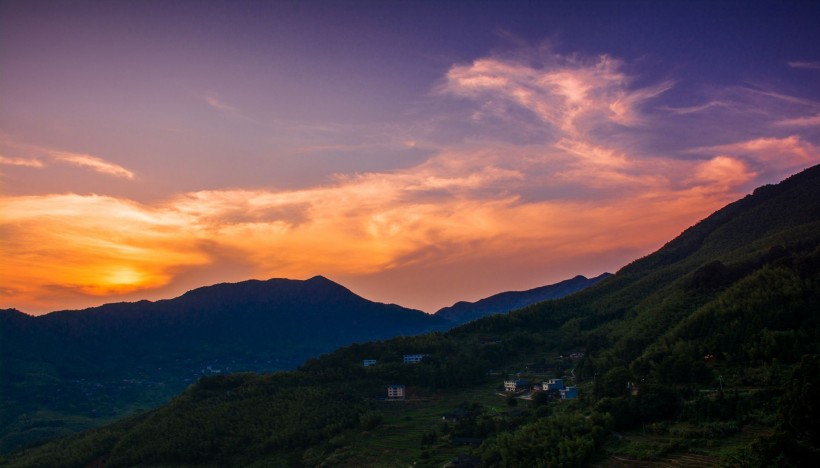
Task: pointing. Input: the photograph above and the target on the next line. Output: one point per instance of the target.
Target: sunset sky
(417, 152)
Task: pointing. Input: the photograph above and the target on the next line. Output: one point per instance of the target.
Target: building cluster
(520, 385)
(396, 391)
(413, 358)
(407, 359)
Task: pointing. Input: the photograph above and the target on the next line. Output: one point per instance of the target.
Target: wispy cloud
(771, 158)
(788, 151)
(94, 163)
(805, 65)
(568, 92)
(43, 157)
(695, 109)
(220, 105)
(806, 121)
(781, 96)
(27, 162)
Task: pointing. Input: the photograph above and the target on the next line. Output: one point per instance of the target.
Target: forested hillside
(71, 370)
(707, 348)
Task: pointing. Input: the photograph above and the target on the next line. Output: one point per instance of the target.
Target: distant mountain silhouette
(463, 312)
(99, 361)
(283, 317)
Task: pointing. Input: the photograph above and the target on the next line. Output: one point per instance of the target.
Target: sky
(417, 152)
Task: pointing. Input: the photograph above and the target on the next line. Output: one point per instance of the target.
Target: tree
(613, 383)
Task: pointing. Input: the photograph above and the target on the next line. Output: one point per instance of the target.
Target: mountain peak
(323, 284)
(319, 278)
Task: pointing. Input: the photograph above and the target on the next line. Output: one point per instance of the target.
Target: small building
(553, 384)
(369, 362)
(516, 385)
(395, 392)
(569, 393)
(413, 358)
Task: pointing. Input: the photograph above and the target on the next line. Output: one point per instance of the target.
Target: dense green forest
(706, 350)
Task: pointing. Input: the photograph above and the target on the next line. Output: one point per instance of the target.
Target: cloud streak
(805, 65)
(805, 121)
(219, 104)
(93, 163)
(25, 162)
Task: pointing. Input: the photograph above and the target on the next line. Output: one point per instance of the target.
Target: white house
(369, 362)
(515, 385)
(553, 384)
(395, 392)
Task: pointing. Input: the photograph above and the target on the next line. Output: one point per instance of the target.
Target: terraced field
(683, 460)
(642, 450)
(398, 440)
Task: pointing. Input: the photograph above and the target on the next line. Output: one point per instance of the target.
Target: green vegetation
(707, 350)
(73, 370)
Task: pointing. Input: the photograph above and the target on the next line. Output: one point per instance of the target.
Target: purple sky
(417, 152)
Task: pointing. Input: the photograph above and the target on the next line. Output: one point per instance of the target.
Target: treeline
(227, 420)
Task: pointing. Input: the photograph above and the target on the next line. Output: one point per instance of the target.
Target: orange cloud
(93, 162)
(27, 162)
(724, 172)
(805, 121)
(455, 209)
(775, 157)
(90, 245)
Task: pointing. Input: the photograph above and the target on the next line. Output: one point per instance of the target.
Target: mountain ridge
(464, 311)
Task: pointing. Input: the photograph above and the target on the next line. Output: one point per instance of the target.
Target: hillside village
(554, 388)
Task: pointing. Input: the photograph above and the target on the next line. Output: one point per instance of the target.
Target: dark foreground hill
(705, 352)
(68, 369)
(463, 312)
